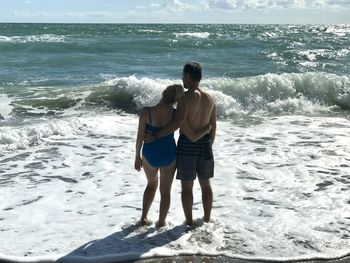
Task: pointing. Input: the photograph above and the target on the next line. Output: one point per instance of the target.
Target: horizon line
(173, 23)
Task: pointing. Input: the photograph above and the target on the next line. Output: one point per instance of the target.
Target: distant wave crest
(46, 38)
(193, 34)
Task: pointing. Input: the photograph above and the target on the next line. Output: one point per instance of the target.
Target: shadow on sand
(127, 244)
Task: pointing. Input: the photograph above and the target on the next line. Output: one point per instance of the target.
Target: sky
(177, 11)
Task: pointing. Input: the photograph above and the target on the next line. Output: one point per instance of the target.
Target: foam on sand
(279, 194)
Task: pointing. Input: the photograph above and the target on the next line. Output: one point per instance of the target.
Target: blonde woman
(160, 155)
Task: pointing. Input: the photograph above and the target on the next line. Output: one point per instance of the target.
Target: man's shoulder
(205, 93)
(187, 97)
(208, 96)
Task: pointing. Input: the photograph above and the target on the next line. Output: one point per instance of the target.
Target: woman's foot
(145, 222)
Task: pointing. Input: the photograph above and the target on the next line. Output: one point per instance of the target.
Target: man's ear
(187, 77)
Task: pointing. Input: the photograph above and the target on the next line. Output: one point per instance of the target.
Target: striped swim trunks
(194, 158)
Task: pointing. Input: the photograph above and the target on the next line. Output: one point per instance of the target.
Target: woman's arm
(194, 135)
(139, 140)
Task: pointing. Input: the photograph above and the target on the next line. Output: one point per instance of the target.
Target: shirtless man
(196, 111)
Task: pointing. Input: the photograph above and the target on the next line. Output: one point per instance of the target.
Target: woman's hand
(208, 128)
(138, 163)
(195, 135)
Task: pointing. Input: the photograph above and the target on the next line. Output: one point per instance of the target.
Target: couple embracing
(196, 117)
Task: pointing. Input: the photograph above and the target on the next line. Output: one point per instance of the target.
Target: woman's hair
(172, 94)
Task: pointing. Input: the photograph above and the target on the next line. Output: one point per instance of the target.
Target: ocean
(69, 99)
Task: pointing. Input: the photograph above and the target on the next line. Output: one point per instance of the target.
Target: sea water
(69, 98)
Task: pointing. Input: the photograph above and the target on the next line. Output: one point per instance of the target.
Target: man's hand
(149, 137)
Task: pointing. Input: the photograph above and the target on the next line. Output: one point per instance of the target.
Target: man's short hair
(194, 69)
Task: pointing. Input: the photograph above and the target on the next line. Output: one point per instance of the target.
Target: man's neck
(193, 89)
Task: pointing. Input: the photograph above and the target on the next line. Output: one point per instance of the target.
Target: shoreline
(173, 259)
(223, 259)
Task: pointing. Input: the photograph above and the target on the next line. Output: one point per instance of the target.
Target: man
(196, 110)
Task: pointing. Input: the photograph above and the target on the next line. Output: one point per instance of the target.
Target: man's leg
(207, 198)
(187, 200)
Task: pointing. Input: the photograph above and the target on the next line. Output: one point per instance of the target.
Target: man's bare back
(200, 106)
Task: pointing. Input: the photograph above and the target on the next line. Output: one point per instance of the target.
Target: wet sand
(206, 259)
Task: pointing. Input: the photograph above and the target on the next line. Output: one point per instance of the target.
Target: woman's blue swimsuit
(161, 152)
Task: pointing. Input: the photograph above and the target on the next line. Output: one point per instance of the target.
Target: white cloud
(277, 4)
(155, 5)
(65, 15)
(319, 3)
(174, 6)
(26, 14)
(223, 4)
(340, 3)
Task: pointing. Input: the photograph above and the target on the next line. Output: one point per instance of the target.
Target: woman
(160, 154)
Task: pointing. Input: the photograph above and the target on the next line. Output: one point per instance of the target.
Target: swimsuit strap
(149, 115)
(174, 110)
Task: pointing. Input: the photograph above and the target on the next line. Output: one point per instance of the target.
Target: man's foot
(188, 222)
(160, 224)
(206, 220)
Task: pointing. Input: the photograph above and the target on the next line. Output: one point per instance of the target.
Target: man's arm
(213, 125)
(180, 117)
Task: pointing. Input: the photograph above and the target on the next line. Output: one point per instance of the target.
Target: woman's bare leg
(166, 180)
(149, 193)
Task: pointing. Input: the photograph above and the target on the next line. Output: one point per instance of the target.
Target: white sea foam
(251, 94)
(278, 58)
(342, 53)
(338, 30)
(150, 31)
(309, 54)
(14, 138)
(314, 54)
(225, 105)
(268, 35)
(279, 193)
(255, 93)
(5, 107)
(193, 34)
(309, 64)
(295, 106)
(49, 38)
(145, 91)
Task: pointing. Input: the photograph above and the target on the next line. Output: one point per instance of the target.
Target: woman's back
(162, 151)
(160, 115)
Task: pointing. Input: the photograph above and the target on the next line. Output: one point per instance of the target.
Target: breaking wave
(288, 93)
